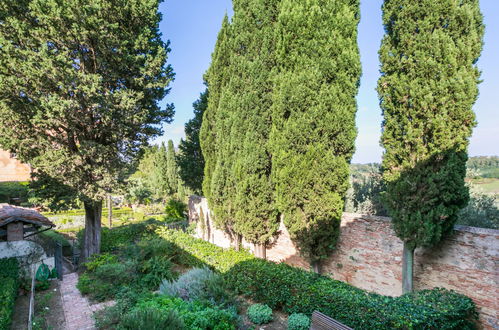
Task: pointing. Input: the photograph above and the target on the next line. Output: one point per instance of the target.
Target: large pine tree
(80, 83)
(427, 90)
(316, 82)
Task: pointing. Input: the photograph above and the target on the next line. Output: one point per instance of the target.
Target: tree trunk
(93, 215)
(261, 251)
(109, 211)
(316, 266)
(237, 242)
(407, 268)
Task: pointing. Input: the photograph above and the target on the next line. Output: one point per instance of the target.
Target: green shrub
(259, 314)
(194, 314)
(97, 260)
(10, 190)
(175, 209)
(152, 319)
(298, 291)
(55, 237)
(9, 283)
(155, 270)
(107, 279)
(199, 284)
(298, 321)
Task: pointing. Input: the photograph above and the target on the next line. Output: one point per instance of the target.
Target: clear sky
(192, 27)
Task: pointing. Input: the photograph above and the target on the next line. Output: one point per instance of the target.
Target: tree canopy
(80, 83)
(428, 86)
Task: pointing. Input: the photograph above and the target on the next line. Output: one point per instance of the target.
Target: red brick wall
(369, 256)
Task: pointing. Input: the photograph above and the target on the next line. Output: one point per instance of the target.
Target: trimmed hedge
(9, 283)
(298, 291)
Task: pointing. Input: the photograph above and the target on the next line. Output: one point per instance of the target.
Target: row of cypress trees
(279, 129)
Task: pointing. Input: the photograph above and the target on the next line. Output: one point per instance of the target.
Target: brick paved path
(77, 310)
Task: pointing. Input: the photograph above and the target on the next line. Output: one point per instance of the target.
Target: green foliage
(190, 158)
(9, 190)
(194, 314)
(205, 253)
(199, 284)
(314, 106)
(484, 166)
(176, 209)
(9, 274)
(298, 321)
(97, 260)
(153, 319)
(481, 211)
(297, 291)
(364, 195)
(50, 194)
(87, 134)
(259, 314)
(155, 270)
(427, 89)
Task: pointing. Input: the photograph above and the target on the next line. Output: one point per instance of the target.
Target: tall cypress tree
(256, 215)
(216, 79)
(427, 89)
(314, 118)
(190, 158)
(172, 177)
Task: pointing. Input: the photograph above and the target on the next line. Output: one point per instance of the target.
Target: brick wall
(11, 169)
(369, 256)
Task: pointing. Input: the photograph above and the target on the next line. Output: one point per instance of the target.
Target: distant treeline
(479, 166)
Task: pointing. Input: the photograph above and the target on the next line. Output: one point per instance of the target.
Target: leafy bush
(97, 260)
(107, 279)
(9, 282)
(175, 209)
(10, 190)
(259, 314)
(199, 284)
(155, 270)
(194, 314)
(152, 319)
(297, 291)
(298, 321)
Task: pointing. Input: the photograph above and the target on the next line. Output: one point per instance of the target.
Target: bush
(9, 190)
(194, 314)
(152, 319)
(199, 284)
(97, 260)
(298, 321)
(175, 209)
(155, 270)
(297, 291)
(9, 282)
(481, 211)
(259, 314)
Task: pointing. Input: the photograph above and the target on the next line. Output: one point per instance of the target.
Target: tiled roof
(10, 213)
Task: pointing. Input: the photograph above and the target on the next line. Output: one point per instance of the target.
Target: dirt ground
(48, 309)
(280, 321)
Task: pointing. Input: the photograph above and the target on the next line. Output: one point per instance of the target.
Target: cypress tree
(190, 158)
(427, 89)
(314, 118)
(256, 217)
(172, 178)
(216, 78)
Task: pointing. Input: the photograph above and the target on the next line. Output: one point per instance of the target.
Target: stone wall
(369, 256)
(11, 169)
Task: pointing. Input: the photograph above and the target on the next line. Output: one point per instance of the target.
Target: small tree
(427, 89)
(80, 83)
(190, 158)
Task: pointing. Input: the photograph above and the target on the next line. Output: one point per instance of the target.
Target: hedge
(9, 282)
(298, 291)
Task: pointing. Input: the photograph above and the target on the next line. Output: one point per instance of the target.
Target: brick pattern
(77, 310)
(369, 256)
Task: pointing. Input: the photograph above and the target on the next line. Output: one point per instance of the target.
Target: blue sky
(192, 27)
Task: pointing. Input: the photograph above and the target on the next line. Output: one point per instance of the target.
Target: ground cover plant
(9, 282)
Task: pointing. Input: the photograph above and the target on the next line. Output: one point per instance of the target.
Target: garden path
(77, 309)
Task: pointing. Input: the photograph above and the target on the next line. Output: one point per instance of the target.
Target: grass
(488, 185)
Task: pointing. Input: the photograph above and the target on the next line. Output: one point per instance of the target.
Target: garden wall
(369, 257)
